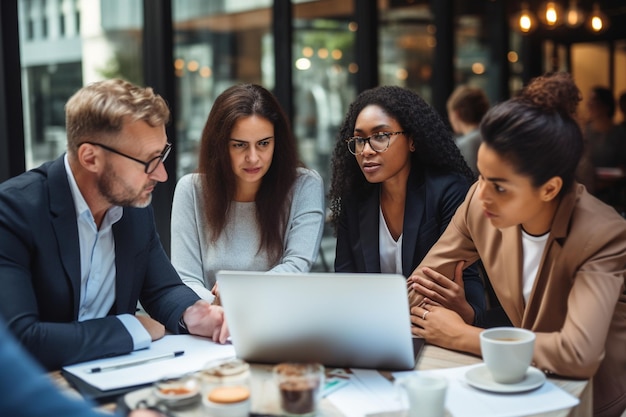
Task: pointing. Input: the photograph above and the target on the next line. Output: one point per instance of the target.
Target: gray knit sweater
(197, 261)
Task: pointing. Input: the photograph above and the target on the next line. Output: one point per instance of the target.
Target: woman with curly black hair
(397, 179)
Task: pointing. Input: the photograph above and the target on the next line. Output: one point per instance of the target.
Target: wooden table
(265, 396)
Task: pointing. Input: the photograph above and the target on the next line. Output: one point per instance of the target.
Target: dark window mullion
(12, 156)
(158, 70)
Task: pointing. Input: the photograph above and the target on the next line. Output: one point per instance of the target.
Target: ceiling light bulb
(574, 16)
(551, 14)
(598, 21)
(524, 21)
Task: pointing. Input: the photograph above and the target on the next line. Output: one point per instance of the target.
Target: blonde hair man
(79, 245)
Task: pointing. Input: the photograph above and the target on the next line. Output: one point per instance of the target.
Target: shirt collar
(82, 209)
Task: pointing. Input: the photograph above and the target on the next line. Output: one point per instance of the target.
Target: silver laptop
(339, 320)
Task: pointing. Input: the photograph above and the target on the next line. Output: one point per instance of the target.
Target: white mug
(426, 394)
(507, 352)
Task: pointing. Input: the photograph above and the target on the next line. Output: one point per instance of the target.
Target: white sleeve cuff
(141, 337)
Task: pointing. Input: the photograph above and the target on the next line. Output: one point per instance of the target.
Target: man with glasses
(79, 246)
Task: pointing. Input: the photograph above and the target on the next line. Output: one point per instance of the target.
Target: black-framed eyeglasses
(149, 166)
(379, 142)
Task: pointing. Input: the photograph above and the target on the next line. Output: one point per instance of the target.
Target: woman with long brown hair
(251, 205)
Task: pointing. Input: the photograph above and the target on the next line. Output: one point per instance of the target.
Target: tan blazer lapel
(548, 281)
(510, 265)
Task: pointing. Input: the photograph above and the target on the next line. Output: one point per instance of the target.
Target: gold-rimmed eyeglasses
(379, 142)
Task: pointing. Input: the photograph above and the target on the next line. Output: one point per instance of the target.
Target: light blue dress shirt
(97, 265)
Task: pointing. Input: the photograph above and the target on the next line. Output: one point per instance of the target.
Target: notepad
(198, 352)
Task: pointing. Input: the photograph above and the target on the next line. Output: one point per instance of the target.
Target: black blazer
(40, 272)
(431, 201)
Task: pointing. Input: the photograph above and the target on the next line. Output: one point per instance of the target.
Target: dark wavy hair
(435, 147)
(217, 177)
(537, 131)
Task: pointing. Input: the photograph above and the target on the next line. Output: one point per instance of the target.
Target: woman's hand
(443, 327)
(440, 290)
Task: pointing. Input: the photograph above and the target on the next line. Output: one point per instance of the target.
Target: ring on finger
(424, 315)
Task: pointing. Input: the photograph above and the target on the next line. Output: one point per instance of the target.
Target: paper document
(462, 400)
(198, 351)
(367, 392)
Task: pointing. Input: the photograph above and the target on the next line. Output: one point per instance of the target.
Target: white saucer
(480, 377)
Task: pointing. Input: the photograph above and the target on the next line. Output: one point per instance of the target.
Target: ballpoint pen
(135, 362)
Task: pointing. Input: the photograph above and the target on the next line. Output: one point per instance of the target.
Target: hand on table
(204, 319)
(446, 328)
(440, 290)
(156, 329)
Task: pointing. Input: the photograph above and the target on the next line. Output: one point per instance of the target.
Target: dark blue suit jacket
(40, 272)
(431, 201)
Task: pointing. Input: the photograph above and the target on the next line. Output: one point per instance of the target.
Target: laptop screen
(337, 319)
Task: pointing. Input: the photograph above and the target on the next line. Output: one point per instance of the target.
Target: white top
(533, 247)
(390, 250)
(197, 260)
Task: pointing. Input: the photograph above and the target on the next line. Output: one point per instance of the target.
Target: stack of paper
(198, 351)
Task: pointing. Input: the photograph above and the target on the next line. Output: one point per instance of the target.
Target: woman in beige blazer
(554, 254)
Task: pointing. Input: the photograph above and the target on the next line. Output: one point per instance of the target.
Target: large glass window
(324, 85)
(407, 44)
(66, 44)
(216, 44)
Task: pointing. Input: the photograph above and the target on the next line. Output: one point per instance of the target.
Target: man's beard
(127, 197)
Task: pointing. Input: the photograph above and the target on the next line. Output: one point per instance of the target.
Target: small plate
(480, 377)
(177, 392)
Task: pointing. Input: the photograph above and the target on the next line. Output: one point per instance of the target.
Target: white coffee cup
(426, 394)
(507, 352)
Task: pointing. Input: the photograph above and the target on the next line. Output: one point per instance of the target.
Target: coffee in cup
(507, 352)
(299, 386)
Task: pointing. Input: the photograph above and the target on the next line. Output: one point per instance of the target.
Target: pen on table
(135, 362)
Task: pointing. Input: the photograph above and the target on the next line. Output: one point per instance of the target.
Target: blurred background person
(622, 131)
(466, 108)
(600, 132)
(605, 145)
